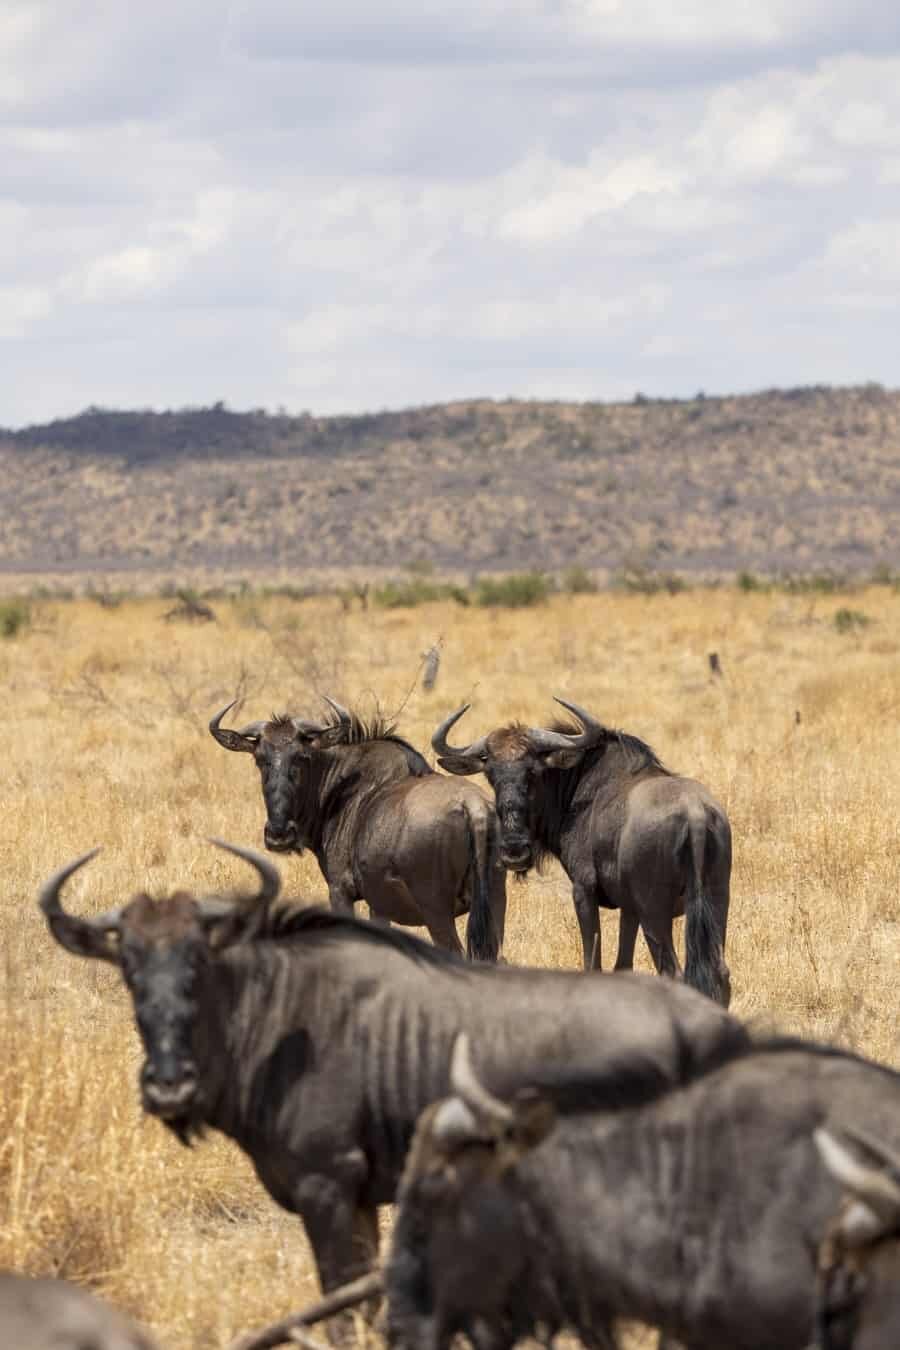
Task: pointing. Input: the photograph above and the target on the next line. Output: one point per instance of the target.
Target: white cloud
(560, 200)
(20, 308)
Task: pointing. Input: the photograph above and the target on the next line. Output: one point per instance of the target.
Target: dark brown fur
(315, 1040)
(699, 1212)
(630, 834)
(418, 848)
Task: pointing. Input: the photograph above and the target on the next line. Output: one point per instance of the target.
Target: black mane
(361, 730)
(638, 1081)
(638, 754)
(317, 922)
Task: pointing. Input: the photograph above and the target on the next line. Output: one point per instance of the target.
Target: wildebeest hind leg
(628, 931)
(587, 911)
(662, 950)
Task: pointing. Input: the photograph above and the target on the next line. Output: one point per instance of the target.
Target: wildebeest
(383, 826)
(631, 836)
(859, 1300)
(46, 1314)
(315, 1039)
(700, 1212)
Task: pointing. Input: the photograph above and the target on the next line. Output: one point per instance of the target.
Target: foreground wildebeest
(700, 1212)
(316, 1039)
(45, 1314)
(859, 1299)
(631, 836)
(383, 826)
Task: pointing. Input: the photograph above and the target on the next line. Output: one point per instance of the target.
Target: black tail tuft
(704, 939)
(703, 967)
(482, 943)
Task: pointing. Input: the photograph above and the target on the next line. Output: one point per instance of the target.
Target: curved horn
(50, 903)
(270, 877)
(869, 1184)
(307, 729)
(235, 740)
(93, 937)
(596, 730)
(454, 1122)
(340, 712)
(545, 741)
(439, 739)
(466, 1084)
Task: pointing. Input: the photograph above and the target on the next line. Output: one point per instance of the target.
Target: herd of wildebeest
(566, 1152)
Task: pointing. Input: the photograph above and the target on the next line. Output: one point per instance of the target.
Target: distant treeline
(215, 431)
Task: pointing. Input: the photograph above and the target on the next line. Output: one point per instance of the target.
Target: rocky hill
(799, 480)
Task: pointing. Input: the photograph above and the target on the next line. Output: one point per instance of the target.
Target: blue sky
(364, 205)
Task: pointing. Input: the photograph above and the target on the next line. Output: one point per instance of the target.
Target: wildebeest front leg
(628, 931)
(341, 896)
(344, 1237)
(587, 910)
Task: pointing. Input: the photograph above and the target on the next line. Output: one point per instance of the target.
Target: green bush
(578, 581)
(817, 583)
(640, 581)
(749, 581)
(15, 616)
(418, 590)
(515, 591)
(850, 620)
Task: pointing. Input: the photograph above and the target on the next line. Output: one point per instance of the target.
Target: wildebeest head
(859, 1304)
(281, 748)
(464, 1236)
(164, 952)
(513, 759)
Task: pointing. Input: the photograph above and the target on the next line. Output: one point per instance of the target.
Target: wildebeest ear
(535, 1118)
(330, 736)
(235, 740)
(460, 764)
(562, 759)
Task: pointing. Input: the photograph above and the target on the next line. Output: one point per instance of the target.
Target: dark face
(515, 769)
(165, 953)
(164, 956)
(282, 757)
(281, 749)
(517, 785)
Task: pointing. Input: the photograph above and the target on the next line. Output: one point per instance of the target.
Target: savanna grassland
(104, 731)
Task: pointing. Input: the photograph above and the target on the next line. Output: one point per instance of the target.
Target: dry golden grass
(105, 741)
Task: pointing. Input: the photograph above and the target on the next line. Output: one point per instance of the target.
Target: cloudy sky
(377, 203)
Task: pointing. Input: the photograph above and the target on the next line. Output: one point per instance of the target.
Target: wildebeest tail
(704, 966)
(482, 942)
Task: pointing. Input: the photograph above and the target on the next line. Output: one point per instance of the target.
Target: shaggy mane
(314, 921)
(362, 730)
(376, 728)
(637, 753)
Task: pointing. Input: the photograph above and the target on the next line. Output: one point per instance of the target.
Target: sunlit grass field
(105, 742)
